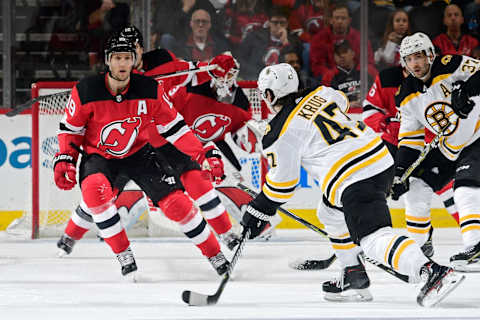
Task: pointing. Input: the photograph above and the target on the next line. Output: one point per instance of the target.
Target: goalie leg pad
(97, 192)
(204, 195)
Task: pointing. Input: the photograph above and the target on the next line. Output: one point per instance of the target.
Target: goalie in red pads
(112, 117)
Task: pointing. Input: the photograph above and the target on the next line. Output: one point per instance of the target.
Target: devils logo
(117, 137)
(210, 126)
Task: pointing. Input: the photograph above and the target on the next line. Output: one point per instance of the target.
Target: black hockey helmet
(134, 34)
(119, 43)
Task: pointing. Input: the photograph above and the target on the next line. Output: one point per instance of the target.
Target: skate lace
(217, 260)
(339, 282)
(125, 257)
(69, 242)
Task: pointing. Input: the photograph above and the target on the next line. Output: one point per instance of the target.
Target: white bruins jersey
(429, 105)
(318, 135)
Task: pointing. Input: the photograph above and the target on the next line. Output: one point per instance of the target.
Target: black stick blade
(310, 265)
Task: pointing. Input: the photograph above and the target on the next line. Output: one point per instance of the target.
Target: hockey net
(50, 207)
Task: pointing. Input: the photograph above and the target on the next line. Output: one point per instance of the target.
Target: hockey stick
(183, 72)
(24, 106)
(425, 151)
(313, 227)
(193, 298)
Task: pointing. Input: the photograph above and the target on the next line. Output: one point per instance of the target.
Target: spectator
(322, 44)
(309, 18)
(104, 18)
(172, 18)
(453, 41)
(346, 76)
(201, 44)
(290, 56)
(262, 48)
(243, 17)
(424, 17)
(397, 28)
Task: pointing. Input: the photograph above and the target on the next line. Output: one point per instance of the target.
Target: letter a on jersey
(142, 107)
(117, 137)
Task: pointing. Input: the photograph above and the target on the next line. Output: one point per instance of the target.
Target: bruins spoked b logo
(441, 117)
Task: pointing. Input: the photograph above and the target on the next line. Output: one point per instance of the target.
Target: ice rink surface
(34, 284)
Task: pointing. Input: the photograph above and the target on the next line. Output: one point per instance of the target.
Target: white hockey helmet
(280, 79)
(417, 42)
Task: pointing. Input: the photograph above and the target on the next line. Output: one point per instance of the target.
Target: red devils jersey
(116, 126)
(307, 20)
(162, 61)
(240, 24)
(208, 118)
(465, 46)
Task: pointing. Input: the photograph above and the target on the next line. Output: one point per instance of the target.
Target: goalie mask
(418, 42)
(223, 85)
(118, 43)
(280, 80)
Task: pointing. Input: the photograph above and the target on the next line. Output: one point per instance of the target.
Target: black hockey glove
(398, 187)
(255, 220)
(461, 102)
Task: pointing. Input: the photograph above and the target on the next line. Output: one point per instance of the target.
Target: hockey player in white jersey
(354, 169)
(441, 94)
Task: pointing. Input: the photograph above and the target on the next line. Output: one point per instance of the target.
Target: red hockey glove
(224, 63)
(64, 171)
(212, 164)
(392, 126)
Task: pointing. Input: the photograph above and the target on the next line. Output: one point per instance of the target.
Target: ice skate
(352, 286)
(440, 281)
(467, 261)
(230, 239)
(127, 262)
(65, 245)
(219, 263)
(427, 247)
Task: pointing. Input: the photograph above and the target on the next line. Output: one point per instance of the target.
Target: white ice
(34, 284)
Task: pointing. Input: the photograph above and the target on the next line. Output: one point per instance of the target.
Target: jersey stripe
(337, 165)
(380, 154)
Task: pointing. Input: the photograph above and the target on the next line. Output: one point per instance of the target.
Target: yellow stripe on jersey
(399, 251)
(297, 108)
(360, 166)
(408, 98)
(343, 246)
(417, 219)
(276, 196)
(388, 248)
(452, 146)
(411, 143)
(286, 184)
(337, 165)
(470, 216)
(477, 126)
(416, 230)
(470, 227)
(440, 78)
(411, 133)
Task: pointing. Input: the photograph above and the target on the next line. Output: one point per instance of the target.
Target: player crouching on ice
(354, 169)
(111, 116)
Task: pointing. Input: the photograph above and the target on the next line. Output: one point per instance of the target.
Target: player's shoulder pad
(93, 88)
(275, 126)
(410, 85)
(155, 58)
(445, 64)
(142, 87)
(391, 77)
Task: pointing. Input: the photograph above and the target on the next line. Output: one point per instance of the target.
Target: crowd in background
(320, 38)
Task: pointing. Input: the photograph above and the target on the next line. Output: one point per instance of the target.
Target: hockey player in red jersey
(380, 113)
(187, 171)
(112, 117)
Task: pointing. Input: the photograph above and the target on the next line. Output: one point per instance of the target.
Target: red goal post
(50, 207)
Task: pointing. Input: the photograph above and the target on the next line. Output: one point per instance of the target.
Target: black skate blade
(311, 265)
